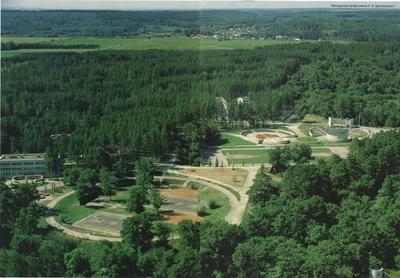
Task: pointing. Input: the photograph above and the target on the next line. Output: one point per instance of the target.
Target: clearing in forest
(231, 140)
(226, 175)
(247, 156)
(179, 191)
(176, 217)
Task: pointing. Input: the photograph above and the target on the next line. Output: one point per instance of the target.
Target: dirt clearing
(179, 191)
(226, 175)
(175, 218)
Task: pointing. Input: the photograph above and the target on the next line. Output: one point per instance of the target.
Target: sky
(181, 4)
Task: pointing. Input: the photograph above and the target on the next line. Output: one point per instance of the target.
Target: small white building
(22, 164)
(241, 100)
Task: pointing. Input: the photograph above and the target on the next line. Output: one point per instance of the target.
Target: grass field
(307, 126)
(136, 43)
(226, 175)
(233, 141)
(69, 210)
(392, 273)
(321, 150)
(247, 156)
(310, 118)
(222, 201)
(121, 194)
(309, 141)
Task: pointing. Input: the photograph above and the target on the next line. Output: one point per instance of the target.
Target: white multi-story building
(22, 164)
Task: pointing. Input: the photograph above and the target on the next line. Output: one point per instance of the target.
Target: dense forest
(14, 46)
(343, 218)
(153, 103)
(110, 111)
(304, 24)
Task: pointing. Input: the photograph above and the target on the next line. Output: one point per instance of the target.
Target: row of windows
(23, 163)
(22, 173)
(20, 169)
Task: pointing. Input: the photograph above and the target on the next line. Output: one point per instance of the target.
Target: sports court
(102, 222)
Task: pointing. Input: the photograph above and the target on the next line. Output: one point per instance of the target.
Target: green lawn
(136, 43)
(306, 126)
(392, 273)
(311, 118)
(247, 156)
(120, 195)
(309, 141)
(233, 141)
(69, 211)
(234, 192)
(43, 223)
(321, 150)
(223, 202)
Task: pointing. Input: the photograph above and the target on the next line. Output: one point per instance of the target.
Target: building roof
(25, 156)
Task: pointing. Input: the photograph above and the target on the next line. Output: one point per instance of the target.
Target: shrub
(202, 211)
(212, 204)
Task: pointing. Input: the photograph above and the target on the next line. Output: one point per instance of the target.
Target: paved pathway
(295, 128)
(52, 222)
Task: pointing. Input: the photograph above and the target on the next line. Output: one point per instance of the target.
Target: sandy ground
(321, 154)
(182, 204)
(175, 218)
(179, 191)
(340, 151)
(269, 137)
(266, 135)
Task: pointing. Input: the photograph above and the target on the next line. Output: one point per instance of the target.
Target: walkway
(295, 128)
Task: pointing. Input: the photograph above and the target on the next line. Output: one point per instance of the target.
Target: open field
(176, 217)
(121, 195)
(310, 118)
(321, 152)
(235, 177)
(185, 205)
(309, 141)
(222, 201)
(136, 43)
(232, 140)
(392, 273)
(69, 210)
(247, 156)
(179, 191)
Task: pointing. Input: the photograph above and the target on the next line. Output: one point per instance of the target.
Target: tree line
(15, 46)
(320, 24)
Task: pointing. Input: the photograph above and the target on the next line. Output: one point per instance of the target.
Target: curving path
(52, 222)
